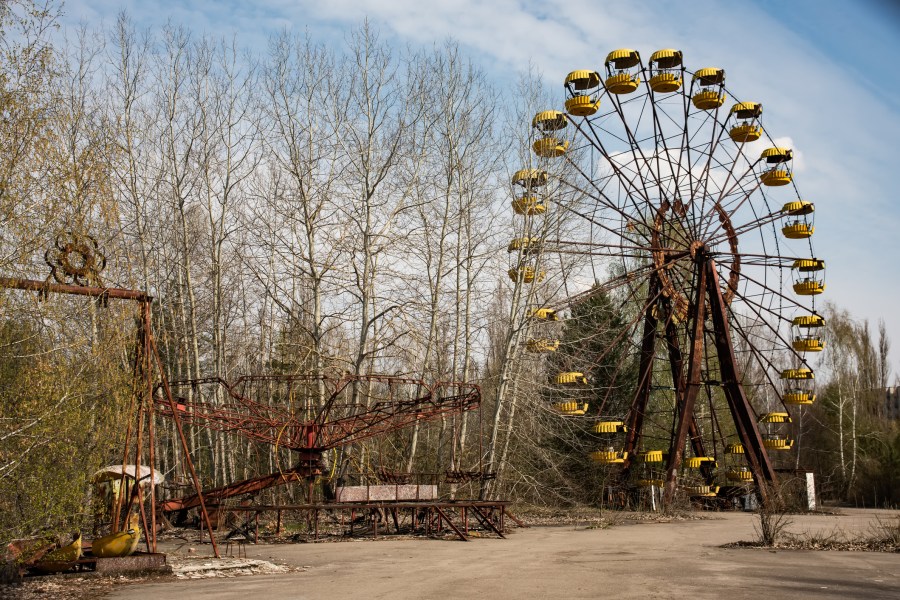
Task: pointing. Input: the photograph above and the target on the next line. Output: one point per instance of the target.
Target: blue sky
(823, 69)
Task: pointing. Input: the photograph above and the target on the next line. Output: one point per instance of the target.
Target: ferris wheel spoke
(636, 149)
(605, 200)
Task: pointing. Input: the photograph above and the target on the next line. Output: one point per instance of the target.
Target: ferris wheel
(668, 195)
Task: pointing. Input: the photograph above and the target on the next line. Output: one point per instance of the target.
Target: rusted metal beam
(645, 378)
(247, 486)
(741, 410)
(692, 387)
(486, 521)
(676, 364)
(450, 523)
(45, 287)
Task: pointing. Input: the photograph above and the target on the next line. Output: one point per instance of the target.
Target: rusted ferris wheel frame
(676, 215)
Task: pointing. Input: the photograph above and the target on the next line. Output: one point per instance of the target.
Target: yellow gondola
(665, 71)
(777, 442)
(607, 457)
(528, 245)
(705, 491)
(650, 482)
(798, 208)
(571, 409)
(653, 456)
(746, 129)
(808, 280)
(544, 314)
(583, 90)
(609, 427)
(528, 205)
(622, 74)
(808, 321)
(527, 274)
(798, 397)
(798, 230)
(570, 378)
(711, 95)
(742, 475)
(542, 345)
(546, 123)
(695, 462)
(530, 178)
(737, 448)
(775, 417)
(779, 172)
(808, 342)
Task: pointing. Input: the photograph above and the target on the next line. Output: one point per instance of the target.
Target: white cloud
(845, 129)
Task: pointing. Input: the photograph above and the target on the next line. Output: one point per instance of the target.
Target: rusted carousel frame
(145, 358)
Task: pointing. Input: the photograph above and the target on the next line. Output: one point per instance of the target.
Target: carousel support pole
(175, 417)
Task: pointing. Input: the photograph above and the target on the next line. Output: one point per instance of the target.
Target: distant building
(892, 402)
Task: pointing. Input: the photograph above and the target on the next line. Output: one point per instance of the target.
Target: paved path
(647, 560)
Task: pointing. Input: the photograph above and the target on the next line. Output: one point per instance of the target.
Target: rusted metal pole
(692, 387)
(741, 410)
(645, 378)
(45, 287)
(184, 445)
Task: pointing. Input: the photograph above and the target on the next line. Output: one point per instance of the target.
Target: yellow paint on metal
(667, 58)
(801, 373)
(708, 99)
(528, 205)
(778, 443)
(544, 314)
(116, 545)
(809, 287)
(527, 274)
(808, 321)
(542, 345)
(609, 427)
(583, 79)
(747, 110)
(707, 491)
(809, 265)
(570, 409)
(798, 207)
(775, 417)
(570, 377)
(608, 458)
(798, 231)
(809, 344)
(665, 83)
(523, 244)
(530, 177)
(652, 456)
(710, 76)
(799, 398)
(695, 462)
(549, 120)
(743, 475)
(550, 147)
(622, 83)
(744, 133)
(777, 155)
(775, 177)
(737, 448)
(623, 58)
(650, 482)
(582, 106)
